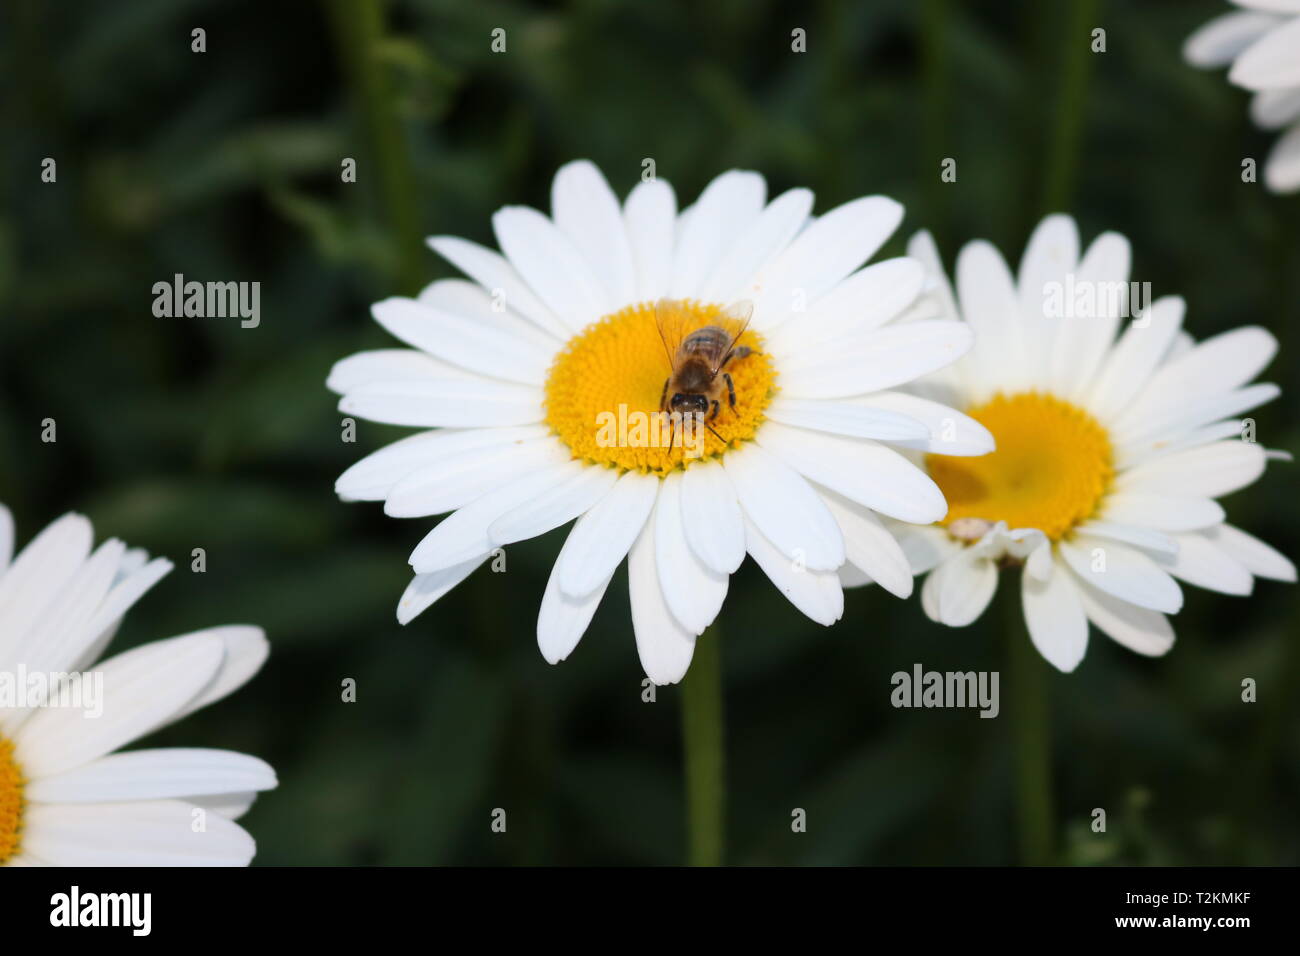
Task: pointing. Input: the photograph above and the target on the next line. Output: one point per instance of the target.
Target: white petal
(1282, 171)
(154, 833)
(650, 217)
(459, 478)
(154, 775)
(463, 534)
(959, 589)
(1199, 562)
(1122, 572)
(712, 518)
(830, 248)
(864, 301)
(1216, 366)
(373, 477)
(844, 418)
(852, 576)
(6, 538)
(862, 471)
(1257, 557)
(586, 210)
(1141, 438)
(232, 806)
(38, 573)
(869, 546)
(449, 403)
(1055, 618)
(881, 359)
(391, 365)
(1082, 342)
(471, 301)
(125, 592)
(1209, 471)
(142, 689)
(693, 591)
(924, 545)
(1140, 630)
(1273, 109)
(246, 650)
(771, 232)
(664, 646)
(937, 291)
(817, 594)
(562, 619)
(495, 274)
(727, 209)
(1270, 61)
(426, 588)
(471, 345)
(991, 304)
(601, 538)
(555, 506)
(1162, 512)
(1051, 253)
(552, 266)
(1144, 538)
(784, 507)
(1221, 40)
(1131, 363)
(950, 432)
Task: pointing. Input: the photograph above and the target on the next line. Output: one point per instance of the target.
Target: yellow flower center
(604, 390)
(11, 802)
(1052, 465)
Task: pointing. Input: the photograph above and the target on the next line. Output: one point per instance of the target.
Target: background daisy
(1262, 43)
(1113, 442)
(67, 798)
(514, 371)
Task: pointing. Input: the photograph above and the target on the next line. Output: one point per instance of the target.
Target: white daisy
(1262, 42)
(514, 371)
(66, 799)
(1110, 451)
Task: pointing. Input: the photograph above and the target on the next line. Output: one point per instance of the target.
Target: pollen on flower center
(1052, 465)
(604, 390)
(11, 802)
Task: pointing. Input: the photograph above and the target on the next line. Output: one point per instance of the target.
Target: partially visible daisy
(514, 372)
(1110, 451)
(66, 798)
(1262, 42)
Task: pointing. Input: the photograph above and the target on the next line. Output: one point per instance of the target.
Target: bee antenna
(715, 433)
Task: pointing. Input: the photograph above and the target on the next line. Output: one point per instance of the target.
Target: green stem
(1075, 65)
(1026, 684)
(702, 743)
(359, 32)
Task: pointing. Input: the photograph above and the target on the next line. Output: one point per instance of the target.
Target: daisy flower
(1110, 451)
(66, 798)
(1262, 42)
(517, 374)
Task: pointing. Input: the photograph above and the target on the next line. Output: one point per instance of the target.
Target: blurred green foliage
(183, 433)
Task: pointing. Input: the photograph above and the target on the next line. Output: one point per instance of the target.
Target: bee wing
(674, 324)
(734, 319)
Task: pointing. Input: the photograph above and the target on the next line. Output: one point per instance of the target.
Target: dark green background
(183, 433)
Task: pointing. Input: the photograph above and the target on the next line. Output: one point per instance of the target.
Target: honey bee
(698, 356)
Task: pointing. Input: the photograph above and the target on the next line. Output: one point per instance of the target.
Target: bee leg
(664, 394)
(739, 352)
(731, 389)
(716, 409)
